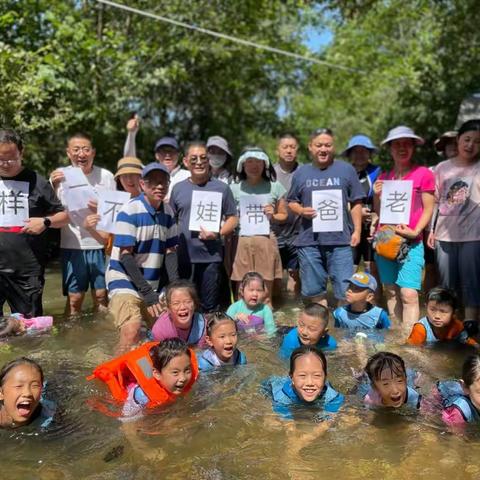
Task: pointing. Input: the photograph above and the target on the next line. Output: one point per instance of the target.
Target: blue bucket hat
(359, 141)
(364, 280)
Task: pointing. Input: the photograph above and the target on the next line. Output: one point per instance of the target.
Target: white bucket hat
(253, 153)
(402, 132)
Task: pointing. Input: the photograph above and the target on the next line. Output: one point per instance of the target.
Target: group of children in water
(160, 371)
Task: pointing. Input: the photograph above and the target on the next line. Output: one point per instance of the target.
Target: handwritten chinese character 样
(396, 202)
(207, 212)
(327, 209)
(11, 201)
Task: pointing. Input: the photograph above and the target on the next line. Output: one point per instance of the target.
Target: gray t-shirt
(287, 232)
(309, 178)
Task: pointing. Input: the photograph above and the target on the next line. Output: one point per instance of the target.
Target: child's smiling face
(308, 377)
(182, 308)
(392, 388)
(20, 393)
(176, 375)
(310, 329)
(223, 339)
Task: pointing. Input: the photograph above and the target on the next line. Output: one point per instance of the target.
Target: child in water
(181, 319)
(461, 399)
(174, 374)
(21, 384)
(306, 384)
(222, 338)
(359, 313)
(16, 324)
(388, 383)
(311, 329)
(251, 311)
(440, 323)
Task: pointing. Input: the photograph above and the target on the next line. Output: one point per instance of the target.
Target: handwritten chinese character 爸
(328, 209)
(11, 201)
(396, 202)
(112, 209)
(207, 212)
(255, 213)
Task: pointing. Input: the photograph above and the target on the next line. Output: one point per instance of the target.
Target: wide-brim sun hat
(402, 132)
(442, 140)
(220, 142)
(359, 141)
(256, 153)
(128, 165)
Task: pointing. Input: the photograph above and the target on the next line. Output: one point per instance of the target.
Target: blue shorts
(81, 269)
(407, 274)
(319, 263)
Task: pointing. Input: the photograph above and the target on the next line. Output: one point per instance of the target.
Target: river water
(225, 428)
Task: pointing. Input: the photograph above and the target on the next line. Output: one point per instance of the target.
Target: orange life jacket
(136, 366)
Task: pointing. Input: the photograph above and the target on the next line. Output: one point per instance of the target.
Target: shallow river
(225, 429)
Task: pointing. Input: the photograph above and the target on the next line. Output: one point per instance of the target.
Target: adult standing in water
(324, 251)
(23, 247)
(286, 233)
(403, 279)
(456, 235)
(200, 253)
(359, 152)
(167, 152)
(83, 254)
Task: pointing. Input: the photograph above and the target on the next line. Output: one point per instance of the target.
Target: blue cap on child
(364, 280)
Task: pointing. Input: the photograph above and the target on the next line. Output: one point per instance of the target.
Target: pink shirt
(423, 181)
(164, 328)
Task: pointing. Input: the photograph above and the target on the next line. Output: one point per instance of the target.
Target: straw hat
(129, 165)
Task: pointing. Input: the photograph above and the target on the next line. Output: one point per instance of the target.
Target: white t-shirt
(177, 175)
(73, 236)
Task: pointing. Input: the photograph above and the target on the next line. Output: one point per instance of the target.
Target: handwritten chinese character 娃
(207, 212)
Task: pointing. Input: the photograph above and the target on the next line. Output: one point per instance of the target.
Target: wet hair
(81, 136)
(8, 135)
(8, 367)
(471, 370)
(182, 285)
(469, 126)
(384, 361)
(8, 326)
(317, 310)
(250, 277)
(321, 131)
(305, 350)
(442, 295)
(215, 318)
(269, 174)
(167, 350)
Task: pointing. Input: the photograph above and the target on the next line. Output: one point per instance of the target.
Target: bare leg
(129, 336)
(74, 303)
(293, 284)
(100, 300)
(394, 304)
(268, 293)
(411, 308)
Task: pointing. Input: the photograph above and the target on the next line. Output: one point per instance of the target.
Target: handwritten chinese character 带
(255, 213)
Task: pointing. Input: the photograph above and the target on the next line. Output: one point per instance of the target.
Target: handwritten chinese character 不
(112, 209)
(328, 209)
(396, 202)
(207, 212)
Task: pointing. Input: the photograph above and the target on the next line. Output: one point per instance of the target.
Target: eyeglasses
(154, 184)
(201, 159)
(9, 162)
(77, 150)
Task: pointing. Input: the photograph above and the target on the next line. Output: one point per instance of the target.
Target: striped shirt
(150, 232)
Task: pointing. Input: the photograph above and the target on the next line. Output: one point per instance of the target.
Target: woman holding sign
(457, 231)
(404, 199)
(261, 201)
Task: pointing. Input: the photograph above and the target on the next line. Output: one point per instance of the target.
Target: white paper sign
(252, 219)
(13, 203)
(109, 204)
(329, 207)
(396, 201)
(77, 189)
(206, 211)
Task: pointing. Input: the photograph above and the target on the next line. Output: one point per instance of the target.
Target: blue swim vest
(291, 341)
(208, 359)
(284, 396)
(374, 317)
(453, 395)
(431, 338)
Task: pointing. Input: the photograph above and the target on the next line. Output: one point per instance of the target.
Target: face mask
(217, 160)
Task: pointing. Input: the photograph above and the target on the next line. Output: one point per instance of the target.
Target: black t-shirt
(24, 254)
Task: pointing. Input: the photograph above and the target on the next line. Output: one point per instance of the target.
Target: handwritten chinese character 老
(396, 202)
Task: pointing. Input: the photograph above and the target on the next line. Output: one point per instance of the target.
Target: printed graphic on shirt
(457, 194)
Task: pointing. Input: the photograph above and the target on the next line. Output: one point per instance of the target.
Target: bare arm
(229, 225)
